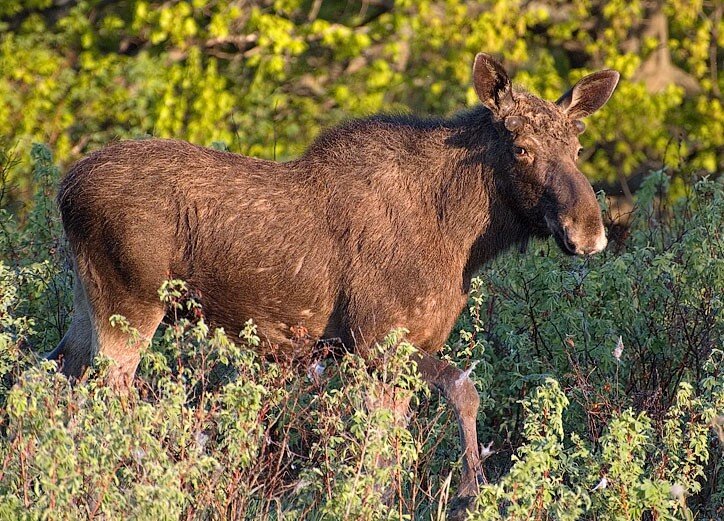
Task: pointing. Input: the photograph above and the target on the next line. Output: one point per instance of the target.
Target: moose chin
(380, 224)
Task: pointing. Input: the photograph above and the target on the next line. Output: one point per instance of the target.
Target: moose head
(539, 177)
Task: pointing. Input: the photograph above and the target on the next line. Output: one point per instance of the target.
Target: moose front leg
(459, 391)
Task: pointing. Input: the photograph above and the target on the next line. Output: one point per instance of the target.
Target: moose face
(539, 176)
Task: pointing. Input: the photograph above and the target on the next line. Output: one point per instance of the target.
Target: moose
(380, 224)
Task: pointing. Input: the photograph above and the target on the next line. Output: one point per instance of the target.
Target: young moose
(380, 224)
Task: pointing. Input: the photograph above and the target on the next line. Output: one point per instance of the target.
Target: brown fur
(380, 224)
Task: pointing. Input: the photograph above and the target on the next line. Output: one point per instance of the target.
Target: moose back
(380, 224)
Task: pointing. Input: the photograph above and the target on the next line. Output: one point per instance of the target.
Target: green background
(265, 77)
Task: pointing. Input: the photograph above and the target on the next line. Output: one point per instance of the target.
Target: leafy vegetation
(601, 383)
(264, 76)
(601, 379)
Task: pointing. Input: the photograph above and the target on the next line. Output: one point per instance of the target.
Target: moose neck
(475, 219)
(443, 169)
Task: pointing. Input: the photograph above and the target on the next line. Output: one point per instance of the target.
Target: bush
(601, 386)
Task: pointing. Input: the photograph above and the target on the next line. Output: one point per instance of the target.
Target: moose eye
(520, 151)
(580, 151)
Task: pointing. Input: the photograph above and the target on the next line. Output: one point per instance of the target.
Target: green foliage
(641, 418)
(364, 451)
(629, 471)
(33, 248)
(205, 439)
(265, 76)
(658, 294)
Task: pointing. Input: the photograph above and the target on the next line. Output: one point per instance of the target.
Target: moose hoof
(464, 501)
(460, 507)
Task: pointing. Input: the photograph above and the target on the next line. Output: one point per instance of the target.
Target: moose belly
(288, 309)
(431, 320)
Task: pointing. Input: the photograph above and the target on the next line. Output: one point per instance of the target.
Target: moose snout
(583, 244)
(576, 238)
(574, 219)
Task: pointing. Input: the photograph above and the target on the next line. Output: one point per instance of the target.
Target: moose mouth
(561, 236)
(561, 239)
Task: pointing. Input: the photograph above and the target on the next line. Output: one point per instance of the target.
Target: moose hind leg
(75, 350)
(135, 298)
(123, 346)
(460, 393)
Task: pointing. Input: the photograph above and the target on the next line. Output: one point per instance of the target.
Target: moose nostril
(568, 241)
(586, 247)
(598, 246)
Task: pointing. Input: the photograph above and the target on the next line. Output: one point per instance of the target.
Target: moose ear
(492, 84)
(589, 94)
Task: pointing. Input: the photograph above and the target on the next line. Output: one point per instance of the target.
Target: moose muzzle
(576, 224)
